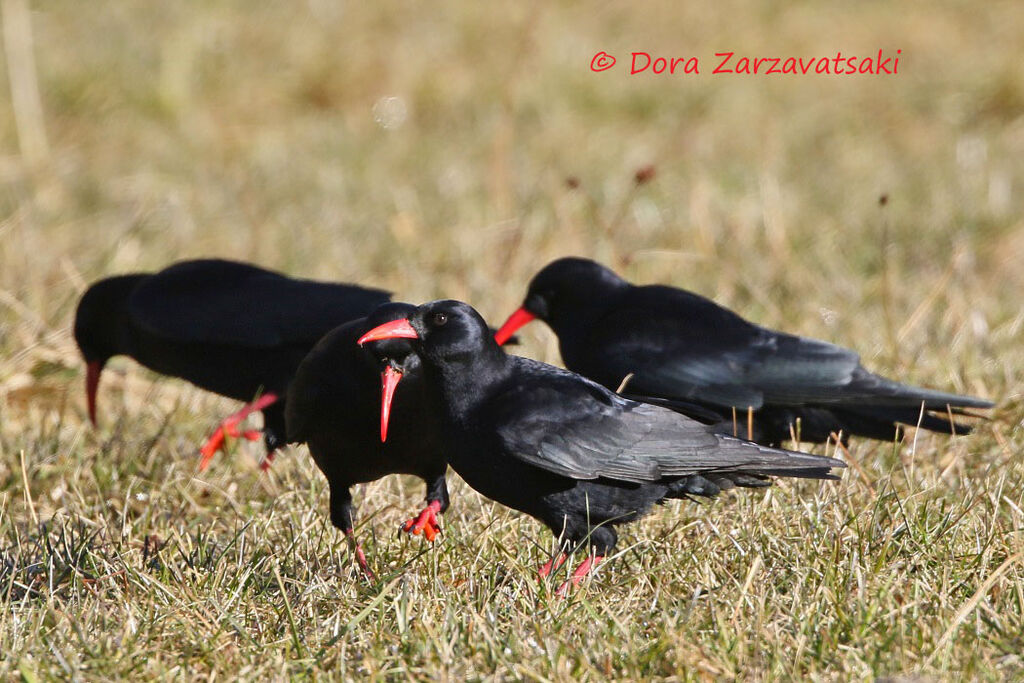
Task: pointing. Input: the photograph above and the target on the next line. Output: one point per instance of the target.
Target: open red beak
(92, 383)
(514, 322)
(389, 379)
(396, 329)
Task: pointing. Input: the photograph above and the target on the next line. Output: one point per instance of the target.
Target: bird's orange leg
(552, 565)
(581, 572)
(426, 522)
(229, 427)
(357, 550)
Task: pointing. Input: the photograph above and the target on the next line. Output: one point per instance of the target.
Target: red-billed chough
(677, 346)
(566, 450)
(334, 407)
(227, 327)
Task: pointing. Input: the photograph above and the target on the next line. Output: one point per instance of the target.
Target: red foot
(426, 522)
(267, 461)
(229, 427)
(552, 565)
(577, 576)
(357, 550)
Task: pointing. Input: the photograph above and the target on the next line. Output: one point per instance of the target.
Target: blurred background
(451, 149)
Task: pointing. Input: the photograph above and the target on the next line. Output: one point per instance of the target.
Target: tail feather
(710, 484)
(885, 392)
(754, 469)
(881, 418)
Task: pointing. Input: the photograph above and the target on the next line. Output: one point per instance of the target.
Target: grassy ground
(451, 149)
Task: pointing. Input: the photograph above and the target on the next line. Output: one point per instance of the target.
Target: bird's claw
(425, 523)
(360, 556)
(552, 565)
(364, 565)
(218, 441)
(586, 568)
(210, 448)
(229, 428)
(267, 461)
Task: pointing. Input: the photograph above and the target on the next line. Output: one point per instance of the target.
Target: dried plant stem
(21, 71)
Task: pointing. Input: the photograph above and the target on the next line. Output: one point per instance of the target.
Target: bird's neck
(575, 319)
(463, 382)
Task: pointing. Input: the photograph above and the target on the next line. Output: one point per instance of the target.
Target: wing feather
(224, 302)
(679, 345)
(578, 429)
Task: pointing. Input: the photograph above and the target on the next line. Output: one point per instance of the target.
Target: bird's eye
(440, 319)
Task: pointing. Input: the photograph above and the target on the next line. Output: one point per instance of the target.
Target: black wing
(683, 346)
(570, 426)
(224, 302)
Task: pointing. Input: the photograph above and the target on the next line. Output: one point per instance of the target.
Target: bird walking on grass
(334, 407)
(563, 449)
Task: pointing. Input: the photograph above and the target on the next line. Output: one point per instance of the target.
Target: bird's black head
(100, 327)
(100, 317)
(444, 331)
(563, 290)
(445, 334)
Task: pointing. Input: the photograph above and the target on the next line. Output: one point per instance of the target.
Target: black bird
(670, 344)
(333, 407)
(227, 327)
(565, 450)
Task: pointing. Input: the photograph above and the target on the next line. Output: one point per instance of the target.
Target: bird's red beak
(514, 322)
(92, 383)
(389, 379)
(396, 329)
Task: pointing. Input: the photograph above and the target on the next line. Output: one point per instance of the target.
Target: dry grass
(250, 130)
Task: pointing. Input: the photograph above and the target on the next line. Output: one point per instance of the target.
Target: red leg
(229, 427)
(425, 522)
(552, 565)
(357, 550)
(581, 572)
(267, 461)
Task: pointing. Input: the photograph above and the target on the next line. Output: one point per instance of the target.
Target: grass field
(452, 149)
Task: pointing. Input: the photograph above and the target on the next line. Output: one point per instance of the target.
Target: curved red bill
(389, 379)
(92, 383)
(396, 329)
(514, 322)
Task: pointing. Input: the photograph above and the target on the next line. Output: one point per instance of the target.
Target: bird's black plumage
(231, 328)
(334, 407)
(566, 450)
(679, 346)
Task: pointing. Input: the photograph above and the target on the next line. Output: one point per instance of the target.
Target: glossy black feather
(230, 328)
(680, 346)
(566, 450)
(334, 407)
(213, 301)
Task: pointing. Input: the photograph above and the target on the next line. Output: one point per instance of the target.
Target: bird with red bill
(676, 346)
(333, 409)
(567, 451)
(228, 327)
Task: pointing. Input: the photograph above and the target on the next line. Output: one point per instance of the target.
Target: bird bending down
(565, 450)
(693, 355)
(227, 327)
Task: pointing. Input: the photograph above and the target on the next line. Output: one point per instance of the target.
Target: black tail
(752, 466)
